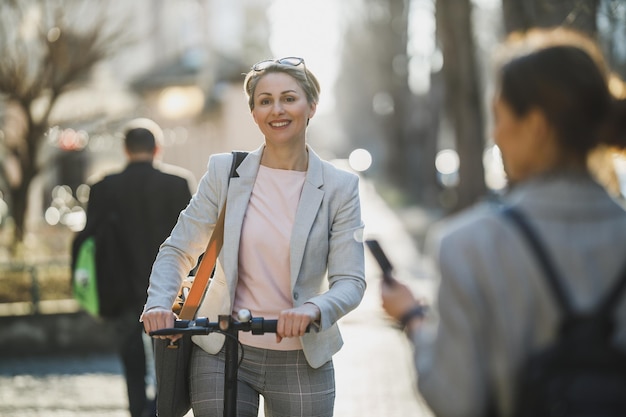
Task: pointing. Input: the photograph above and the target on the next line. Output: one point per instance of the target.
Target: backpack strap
(606, 305)
(609, 303)
(519, 220)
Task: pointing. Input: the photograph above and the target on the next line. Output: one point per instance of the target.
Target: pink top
(264, 285)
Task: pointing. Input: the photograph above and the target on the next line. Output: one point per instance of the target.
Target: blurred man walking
(130, 213)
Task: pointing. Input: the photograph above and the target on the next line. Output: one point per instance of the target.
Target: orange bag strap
(203, 276)
(207, 264)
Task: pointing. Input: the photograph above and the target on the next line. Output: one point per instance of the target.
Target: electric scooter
(229, 327)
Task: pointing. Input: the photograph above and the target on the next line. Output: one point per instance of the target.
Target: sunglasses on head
(291, 61)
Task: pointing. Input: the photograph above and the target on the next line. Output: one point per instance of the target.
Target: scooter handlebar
(202, 326)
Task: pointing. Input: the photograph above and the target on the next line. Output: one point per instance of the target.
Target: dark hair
(140, 139)
(305, 79)
(567, 82)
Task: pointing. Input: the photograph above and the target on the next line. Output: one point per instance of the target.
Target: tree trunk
(19, 200)
(28, 156)
(404, 147)
(376, 106)
(462, 96)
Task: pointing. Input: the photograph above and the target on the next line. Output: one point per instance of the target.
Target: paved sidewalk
(374, 370)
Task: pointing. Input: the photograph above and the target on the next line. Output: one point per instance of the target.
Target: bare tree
(44, 54)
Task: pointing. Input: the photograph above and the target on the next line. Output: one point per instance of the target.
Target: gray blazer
(327, 259)
(494, 303)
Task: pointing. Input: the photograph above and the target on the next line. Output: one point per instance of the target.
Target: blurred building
(183, 68)
(186, 72)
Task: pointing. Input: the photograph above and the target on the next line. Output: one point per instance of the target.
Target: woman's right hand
(159, 318)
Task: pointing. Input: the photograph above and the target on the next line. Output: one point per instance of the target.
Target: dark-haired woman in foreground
(552, 107)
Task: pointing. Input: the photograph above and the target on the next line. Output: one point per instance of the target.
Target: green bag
(84, 280)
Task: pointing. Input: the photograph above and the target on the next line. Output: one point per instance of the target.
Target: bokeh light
(447, 164)
(447, 161)
(360, 160)
(495, 177)
(52, 216)
(181, 102)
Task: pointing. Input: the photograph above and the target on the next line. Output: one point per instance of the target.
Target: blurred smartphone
(381, 258)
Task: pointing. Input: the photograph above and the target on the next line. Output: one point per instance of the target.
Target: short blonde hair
(305, 79)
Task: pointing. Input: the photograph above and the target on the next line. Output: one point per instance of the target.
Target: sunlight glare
(308, 29)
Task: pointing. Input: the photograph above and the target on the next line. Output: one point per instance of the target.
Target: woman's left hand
(397, 298)
(294, 322)
(398, 301)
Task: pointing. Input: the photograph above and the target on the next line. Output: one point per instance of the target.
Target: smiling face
(281, 109)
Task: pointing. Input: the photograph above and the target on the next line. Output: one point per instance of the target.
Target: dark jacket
(130, 214)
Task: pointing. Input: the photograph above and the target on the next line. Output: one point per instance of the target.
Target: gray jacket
(327, 259)
(493, 301)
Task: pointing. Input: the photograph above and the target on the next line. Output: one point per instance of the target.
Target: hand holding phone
(381, 258)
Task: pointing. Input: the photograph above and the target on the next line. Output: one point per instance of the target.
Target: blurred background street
(406, 94)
